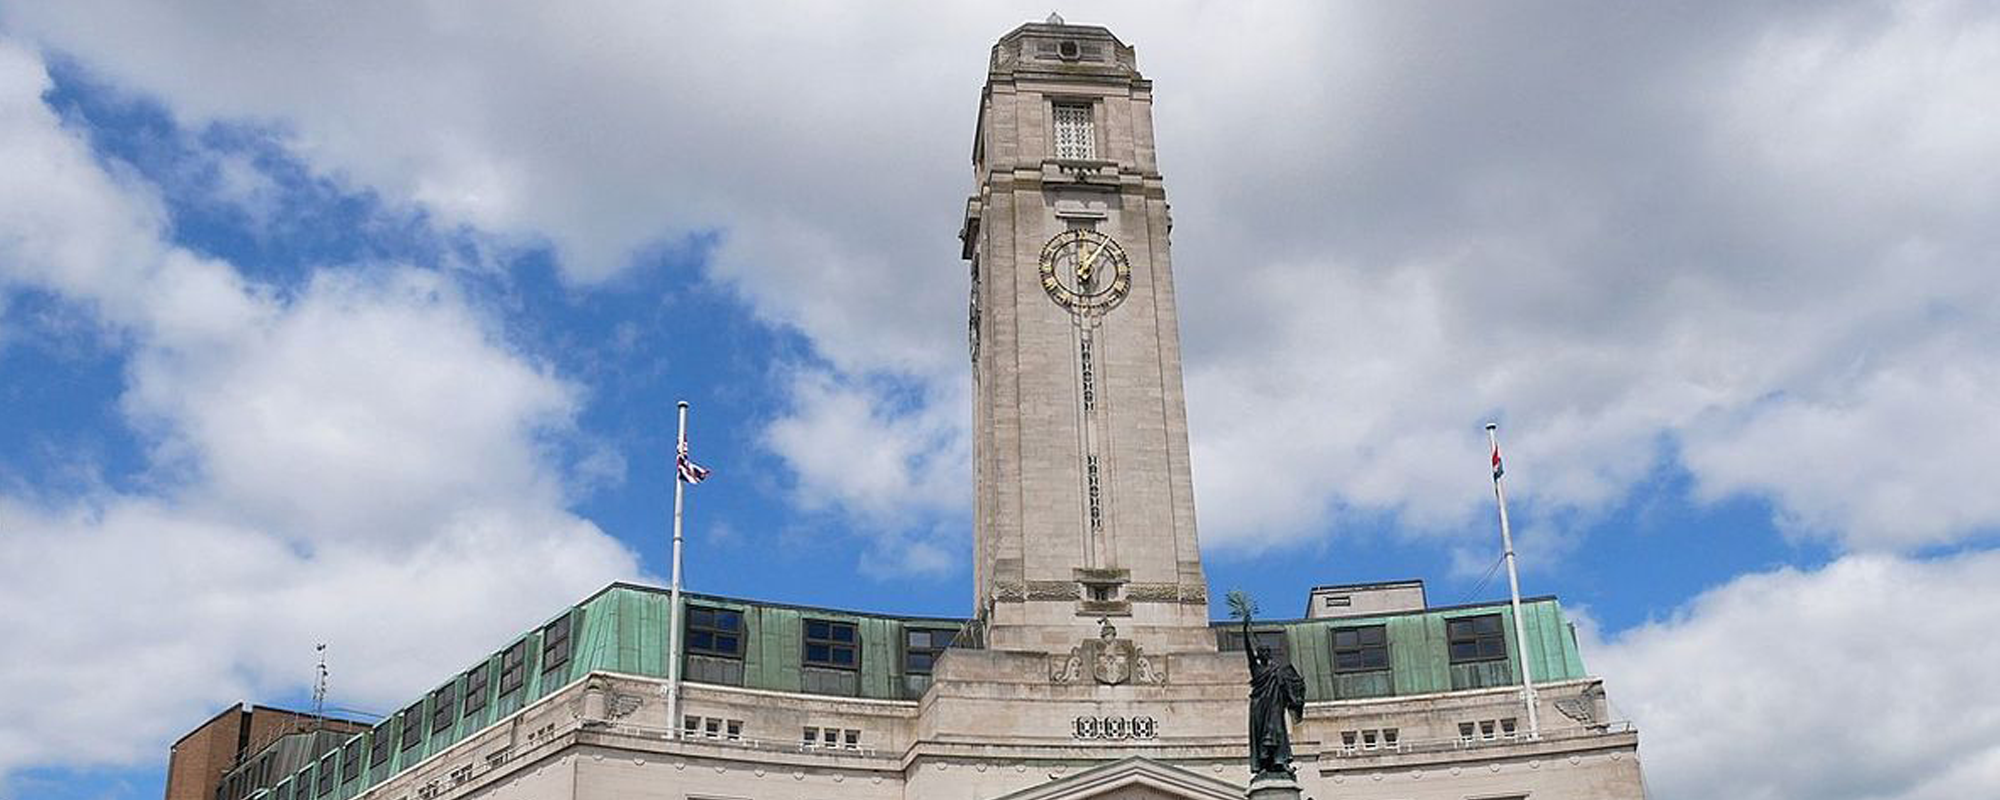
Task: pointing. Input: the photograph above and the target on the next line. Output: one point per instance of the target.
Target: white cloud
(360, 463)
(1867, 678)
(1652, 233)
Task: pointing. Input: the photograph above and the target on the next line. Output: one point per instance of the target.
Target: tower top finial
(1054, 18)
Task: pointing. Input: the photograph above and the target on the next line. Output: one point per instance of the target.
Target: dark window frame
(444, 700)
(931, 651)
(1274, 638)
(380, 745)
(413, 726)
(350, 759)
(1485, 645)
(326, 780)
(557, 637)
(514, 667)
(833, 643)
(477, 681)
(703, 632)
(1360, 648)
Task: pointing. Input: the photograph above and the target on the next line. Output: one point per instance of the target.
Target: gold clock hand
(1083, 269)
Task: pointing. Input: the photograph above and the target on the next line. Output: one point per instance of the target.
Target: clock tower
(1085, 509)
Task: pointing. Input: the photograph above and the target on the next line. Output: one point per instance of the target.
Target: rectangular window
(921, 648)
(378, 745)
(1339, 601)
(851, 739)
(1465, 731)
(1486, 729)
(1476, 639)
(831, 644)
(350, 761)
(1507, 727)
(1076, 131)
(555, 643)
(690, 725)
(1368, 740)
(443, 701)
(715, 632)
(1389, 736)
(326, 777)
(712, 728)
(513, 667)
(413, 725)
(1363, 649)
(735, 729)
(810, 737)
(1347, 739)
(475, 688)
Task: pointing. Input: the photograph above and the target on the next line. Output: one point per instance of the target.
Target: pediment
(1135, 778)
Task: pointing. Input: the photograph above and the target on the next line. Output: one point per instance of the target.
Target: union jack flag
(687, 470)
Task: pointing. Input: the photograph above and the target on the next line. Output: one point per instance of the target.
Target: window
(690, 725)
(1347, 739)
(921, 648)
(513, 667)
(1369, 739)
(443, 700)
(350, 761)
(378, 745)
(1486, 729)
(1476, 639)
(1339, 601)
(413, 725)
(1076, 131)
(831, 644)
(1507, 727)
(1362, 649)
(814, 736)
(475, 688)
(715, 632)
(1465, 731)
(326, 781)
(734, 729)
(555, 643)
(1389, 737)
(711, 728)
(851, 739)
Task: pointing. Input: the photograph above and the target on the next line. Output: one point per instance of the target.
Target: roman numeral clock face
(1085, 271)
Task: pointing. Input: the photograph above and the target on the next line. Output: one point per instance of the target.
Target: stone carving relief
(1109, 660)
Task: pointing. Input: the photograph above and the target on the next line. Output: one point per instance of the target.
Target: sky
(364, 323)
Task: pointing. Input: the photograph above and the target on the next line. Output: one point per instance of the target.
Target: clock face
(1085, 271)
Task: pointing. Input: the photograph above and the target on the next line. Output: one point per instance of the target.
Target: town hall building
(1087, 665)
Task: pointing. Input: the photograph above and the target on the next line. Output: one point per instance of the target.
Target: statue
(1276, 692)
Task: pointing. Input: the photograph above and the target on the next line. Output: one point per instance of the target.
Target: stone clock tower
(1085, 508)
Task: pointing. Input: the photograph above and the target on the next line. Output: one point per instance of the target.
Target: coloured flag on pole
(1497, 470)
(691, 472)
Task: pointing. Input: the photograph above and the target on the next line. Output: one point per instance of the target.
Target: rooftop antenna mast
(319, 689)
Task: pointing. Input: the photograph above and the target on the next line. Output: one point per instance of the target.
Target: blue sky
(310, 319)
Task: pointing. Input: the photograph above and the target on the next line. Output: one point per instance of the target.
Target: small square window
(735, 729)
(690, 725)
(851, 738)
(1368, 739)
(1475, 639)
(1486, 729)
(921, 648)
(712, 728)
(1362, 649)
(1465, 731)
(715, 632)
(810, 738)
(1507, 726)
(831, 644)
(1389, 737)
(1347, 739)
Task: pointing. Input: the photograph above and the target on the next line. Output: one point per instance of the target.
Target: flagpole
(674, 614)
(1514, 588)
